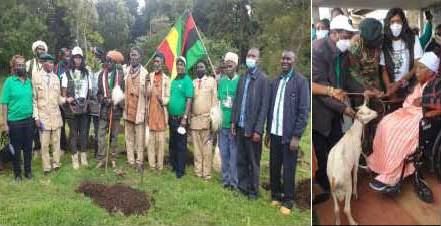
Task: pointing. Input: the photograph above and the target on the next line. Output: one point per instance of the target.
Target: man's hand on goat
(349, 112)
(339, 95)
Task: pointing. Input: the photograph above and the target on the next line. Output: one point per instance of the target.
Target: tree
(114, 24)
(18, 30)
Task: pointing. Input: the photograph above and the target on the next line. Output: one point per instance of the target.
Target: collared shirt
(17, 96)
(226, 94)
(181, 89)
(205, 98)
(244, 98)
(46, 98)
(277, 123)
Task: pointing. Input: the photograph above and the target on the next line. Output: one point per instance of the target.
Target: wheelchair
(428, 151)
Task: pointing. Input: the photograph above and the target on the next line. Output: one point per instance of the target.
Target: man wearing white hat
(330, 67)
(227, 143)
(402, 125)
(34, 67)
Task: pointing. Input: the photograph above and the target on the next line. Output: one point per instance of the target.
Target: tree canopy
(227, 25)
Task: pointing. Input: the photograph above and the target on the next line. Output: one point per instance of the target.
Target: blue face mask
(250, 62)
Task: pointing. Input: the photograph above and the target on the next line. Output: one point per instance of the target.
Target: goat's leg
(336, 208)
(354, 179)
(347, 208)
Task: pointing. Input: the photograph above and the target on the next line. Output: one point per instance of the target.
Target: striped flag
(182, 40)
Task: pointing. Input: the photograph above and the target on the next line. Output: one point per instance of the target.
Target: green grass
(52, 200)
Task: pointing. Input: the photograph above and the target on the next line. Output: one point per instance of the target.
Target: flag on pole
(182, 40)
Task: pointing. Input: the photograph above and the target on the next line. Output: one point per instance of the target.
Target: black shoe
(56, 168)
(45, 173)
(377, 185)
(179, 176)
(17, 179)
(252, 196)
(422, 189)
(28, 176)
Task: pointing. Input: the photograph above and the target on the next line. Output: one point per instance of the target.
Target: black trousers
(95, 120)
(282, 157)
(322, 146)
(177, 147)
(36, 137)
(78, 132)
(248, 163)
(63, 138)
(21, 134)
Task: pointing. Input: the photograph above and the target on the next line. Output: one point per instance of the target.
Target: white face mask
(396, 29)
(322, 34)
(250, 62)
(343, 45)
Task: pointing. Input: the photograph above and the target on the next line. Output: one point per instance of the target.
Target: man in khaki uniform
(158, 116)
(205, 97)
(46, 111)
(136, 86)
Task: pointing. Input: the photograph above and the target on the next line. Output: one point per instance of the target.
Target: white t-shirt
(82, 85)
(400, 57)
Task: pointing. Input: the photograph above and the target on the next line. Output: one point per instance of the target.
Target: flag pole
(154, 53)
(209, 59)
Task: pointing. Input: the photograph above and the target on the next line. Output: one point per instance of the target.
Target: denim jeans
(228, 154)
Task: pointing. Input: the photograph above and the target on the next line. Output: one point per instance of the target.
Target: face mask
(343, 45)
(322, 34)
(396, 29)
(250, 62)
(20, 71)
(200, 74)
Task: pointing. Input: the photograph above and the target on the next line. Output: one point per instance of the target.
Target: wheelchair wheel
(435, 149)
(438, 164)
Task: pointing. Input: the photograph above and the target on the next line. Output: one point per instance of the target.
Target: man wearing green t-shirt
(181, 95)
(227, 143)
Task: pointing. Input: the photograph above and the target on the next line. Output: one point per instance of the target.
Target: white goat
(343, 160)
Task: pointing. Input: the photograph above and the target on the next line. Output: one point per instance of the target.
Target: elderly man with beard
(136, 106)
(110, 96)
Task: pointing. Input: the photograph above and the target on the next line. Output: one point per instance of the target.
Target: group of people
(39, 97)
(389, 63)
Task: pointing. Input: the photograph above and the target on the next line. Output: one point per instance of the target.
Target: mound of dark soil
(116, 198)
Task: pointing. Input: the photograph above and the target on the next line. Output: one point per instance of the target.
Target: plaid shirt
(431, 99)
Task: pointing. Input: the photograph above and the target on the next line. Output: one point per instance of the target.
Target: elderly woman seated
(397, 136)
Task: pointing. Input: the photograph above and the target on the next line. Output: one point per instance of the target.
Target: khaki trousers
(134, 134)
(52, 138)
(155, 150)
(203, 153)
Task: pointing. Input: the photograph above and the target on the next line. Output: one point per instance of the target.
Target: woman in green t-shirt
(16, 103)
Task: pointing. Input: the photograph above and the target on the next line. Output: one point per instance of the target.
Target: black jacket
(324, 55)
(296, 106)
(105, 105)
(257, 103)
